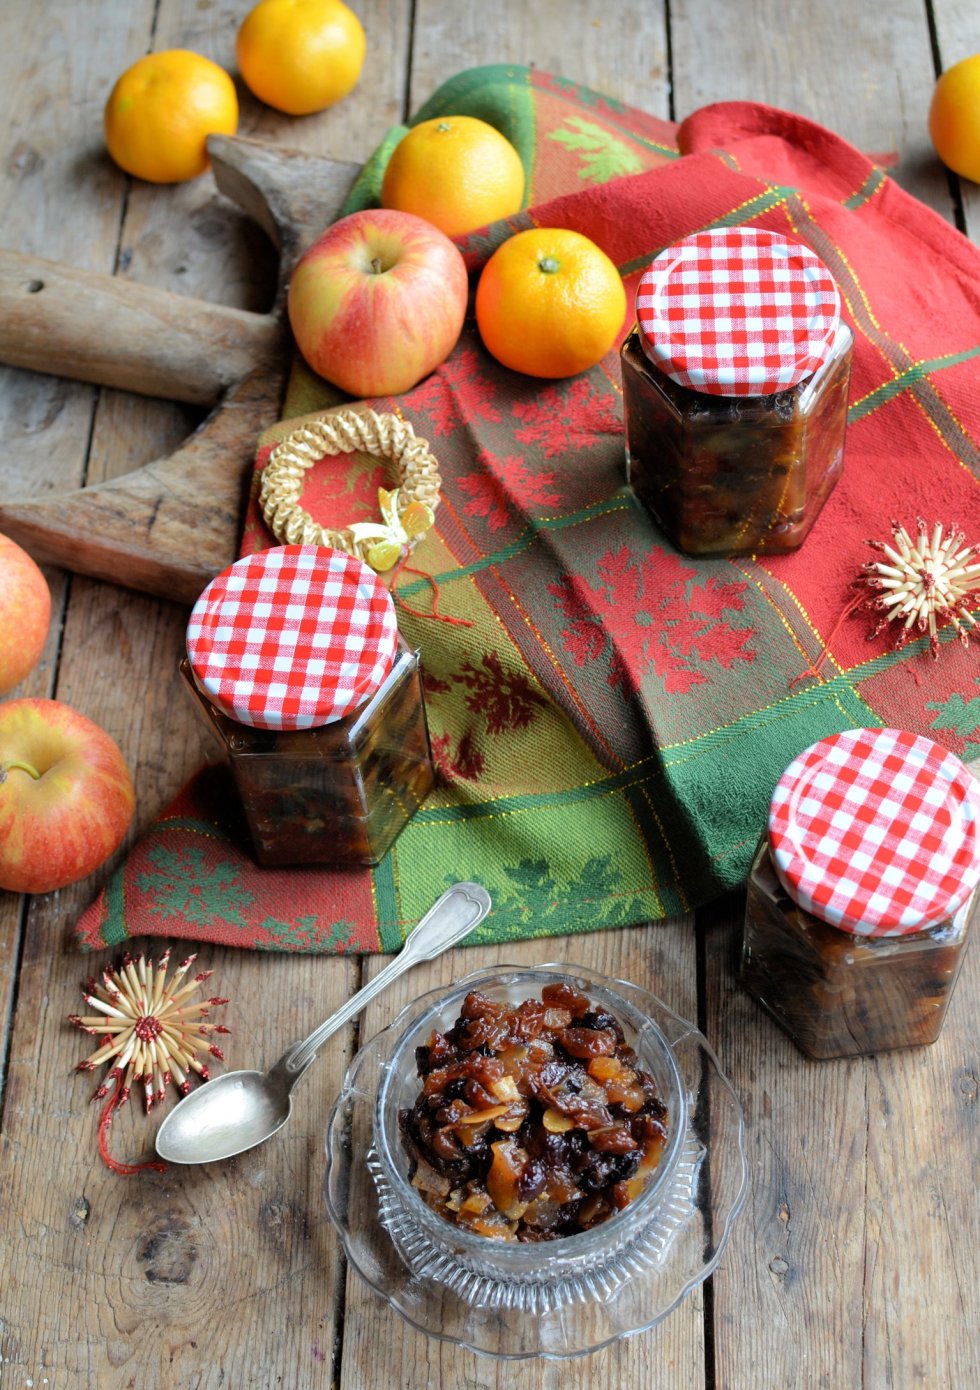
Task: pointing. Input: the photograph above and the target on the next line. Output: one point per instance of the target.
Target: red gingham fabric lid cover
(293, 637)
(877, 831)
(738, 311)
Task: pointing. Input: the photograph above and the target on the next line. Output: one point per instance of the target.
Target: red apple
(378, 302)
(25, 611)
(66, 799)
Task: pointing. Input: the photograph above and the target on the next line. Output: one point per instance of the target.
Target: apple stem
(24, 767)
(376, 265)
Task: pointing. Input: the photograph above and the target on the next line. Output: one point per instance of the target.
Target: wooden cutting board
(149, 529)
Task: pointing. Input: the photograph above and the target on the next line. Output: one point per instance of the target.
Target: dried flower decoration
(151, 1034)
(922, 582)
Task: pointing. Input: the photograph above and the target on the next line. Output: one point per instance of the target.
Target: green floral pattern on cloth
(608, 718)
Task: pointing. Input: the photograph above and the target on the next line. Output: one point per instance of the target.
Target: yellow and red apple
(66, 798)
(378, 302)
(25, 611)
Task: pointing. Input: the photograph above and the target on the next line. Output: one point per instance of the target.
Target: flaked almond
(426, 1179)
(481, 1117)
(513, 1120)
(555, 1122)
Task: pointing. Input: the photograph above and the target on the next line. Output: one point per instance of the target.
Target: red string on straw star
(922, 581)
(151, 1034)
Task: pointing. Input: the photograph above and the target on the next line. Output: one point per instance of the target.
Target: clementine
(161, 111)
(455, 171)
(300, 56)
(550, 303)
(954, 118)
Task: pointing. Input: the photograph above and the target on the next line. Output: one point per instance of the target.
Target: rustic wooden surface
(855, 1261)
(147, 529)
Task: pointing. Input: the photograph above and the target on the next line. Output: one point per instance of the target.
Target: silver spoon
(244, 1108)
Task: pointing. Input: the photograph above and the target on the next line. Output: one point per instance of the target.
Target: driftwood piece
(167, 528)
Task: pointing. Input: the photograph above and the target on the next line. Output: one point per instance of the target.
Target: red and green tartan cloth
(610, 726)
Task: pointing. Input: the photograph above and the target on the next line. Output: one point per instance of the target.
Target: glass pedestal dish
(554, 1298)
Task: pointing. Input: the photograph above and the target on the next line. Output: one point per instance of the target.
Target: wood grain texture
(204, 1277)
(99, 328)
(169, 526)
(863, 70)
(957, 25)
(851, 1261)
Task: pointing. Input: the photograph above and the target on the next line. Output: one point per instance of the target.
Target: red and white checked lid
(738, 311)
(877, 831)
(292, 637)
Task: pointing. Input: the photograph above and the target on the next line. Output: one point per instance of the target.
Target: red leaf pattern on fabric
(505, 484)
(487, 498)
(565, 420)
(465, 765)
(506, 699)
(458, 390)
(645, 616)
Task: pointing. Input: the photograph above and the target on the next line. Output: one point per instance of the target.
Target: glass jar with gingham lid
(295, 662)
(863, 891)
(735, 382)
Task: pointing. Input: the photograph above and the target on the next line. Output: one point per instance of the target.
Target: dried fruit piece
(503, 1179)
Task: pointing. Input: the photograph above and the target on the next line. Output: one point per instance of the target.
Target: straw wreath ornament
(407, 512)
(151, 1034)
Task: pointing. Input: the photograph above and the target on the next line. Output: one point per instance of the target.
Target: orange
(550, 303)
(161, 111)
(300, 55)
(954, 118)
(456, 172)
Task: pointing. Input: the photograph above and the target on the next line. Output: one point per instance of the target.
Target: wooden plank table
(855, 1260)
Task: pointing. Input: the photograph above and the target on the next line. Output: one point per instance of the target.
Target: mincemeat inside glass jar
(735, 386)
(862, 893)
(295, 662)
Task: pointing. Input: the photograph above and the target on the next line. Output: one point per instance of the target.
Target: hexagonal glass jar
(862, 893)
(296, 665)
(735, 412)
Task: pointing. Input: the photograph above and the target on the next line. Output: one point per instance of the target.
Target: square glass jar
(728, 475)
(841, 995)
(340, 793)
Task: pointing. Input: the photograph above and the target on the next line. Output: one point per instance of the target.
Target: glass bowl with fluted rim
(555, 1298)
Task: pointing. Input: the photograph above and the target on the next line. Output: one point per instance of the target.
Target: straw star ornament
(922, 581)
(152, 1035)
